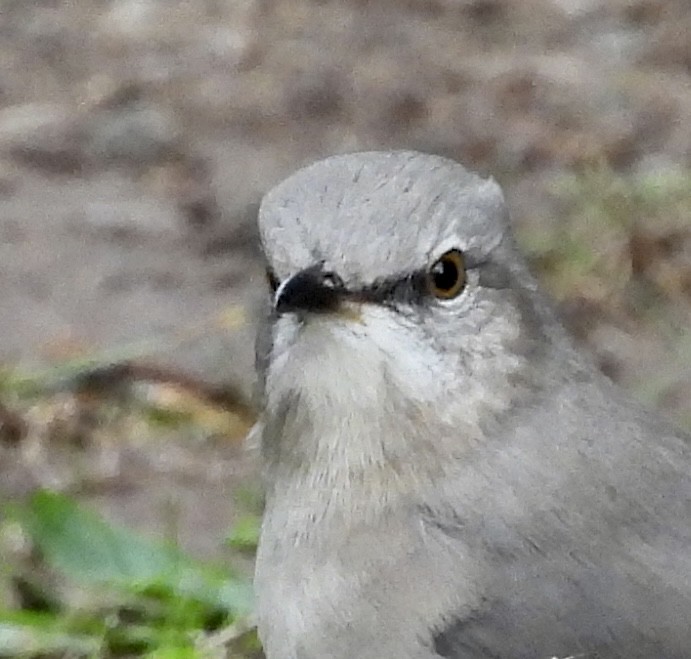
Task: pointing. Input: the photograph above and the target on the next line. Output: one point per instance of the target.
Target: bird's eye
(272, 280)
(446, 278)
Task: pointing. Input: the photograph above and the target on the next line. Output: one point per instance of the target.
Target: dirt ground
(137, 137)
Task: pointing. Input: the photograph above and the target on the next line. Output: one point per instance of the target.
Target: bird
(446, 473)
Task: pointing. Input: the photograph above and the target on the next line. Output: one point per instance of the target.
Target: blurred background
(136, 140)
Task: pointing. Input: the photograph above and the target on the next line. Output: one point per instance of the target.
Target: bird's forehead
(377, 214)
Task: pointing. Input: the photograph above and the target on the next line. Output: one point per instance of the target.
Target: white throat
(359, 413)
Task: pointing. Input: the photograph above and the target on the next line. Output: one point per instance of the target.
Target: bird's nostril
(310, 290)
(332, 280)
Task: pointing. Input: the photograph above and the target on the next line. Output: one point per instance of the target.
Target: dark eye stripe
(407, 289)
(413, 288)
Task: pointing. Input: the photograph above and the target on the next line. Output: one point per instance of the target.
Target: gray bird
(446, 475)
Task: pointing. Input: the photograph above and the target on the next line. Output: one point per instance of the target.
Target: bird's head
(398, 300)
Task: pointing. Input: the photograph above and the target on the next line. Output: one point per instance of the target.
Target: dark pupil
(445, 274)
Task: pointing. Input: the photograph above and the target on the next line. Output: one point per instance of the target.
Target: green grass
(90, 589)
(73, 585)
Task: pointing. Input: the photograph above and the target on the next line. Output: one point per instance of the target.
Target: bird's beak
(312, 289)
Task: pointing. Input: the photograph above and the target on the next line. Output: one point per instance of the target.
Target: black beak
(311, 289)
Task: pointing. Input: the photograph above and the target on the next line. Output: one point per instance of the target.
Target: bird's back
(586, 532)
